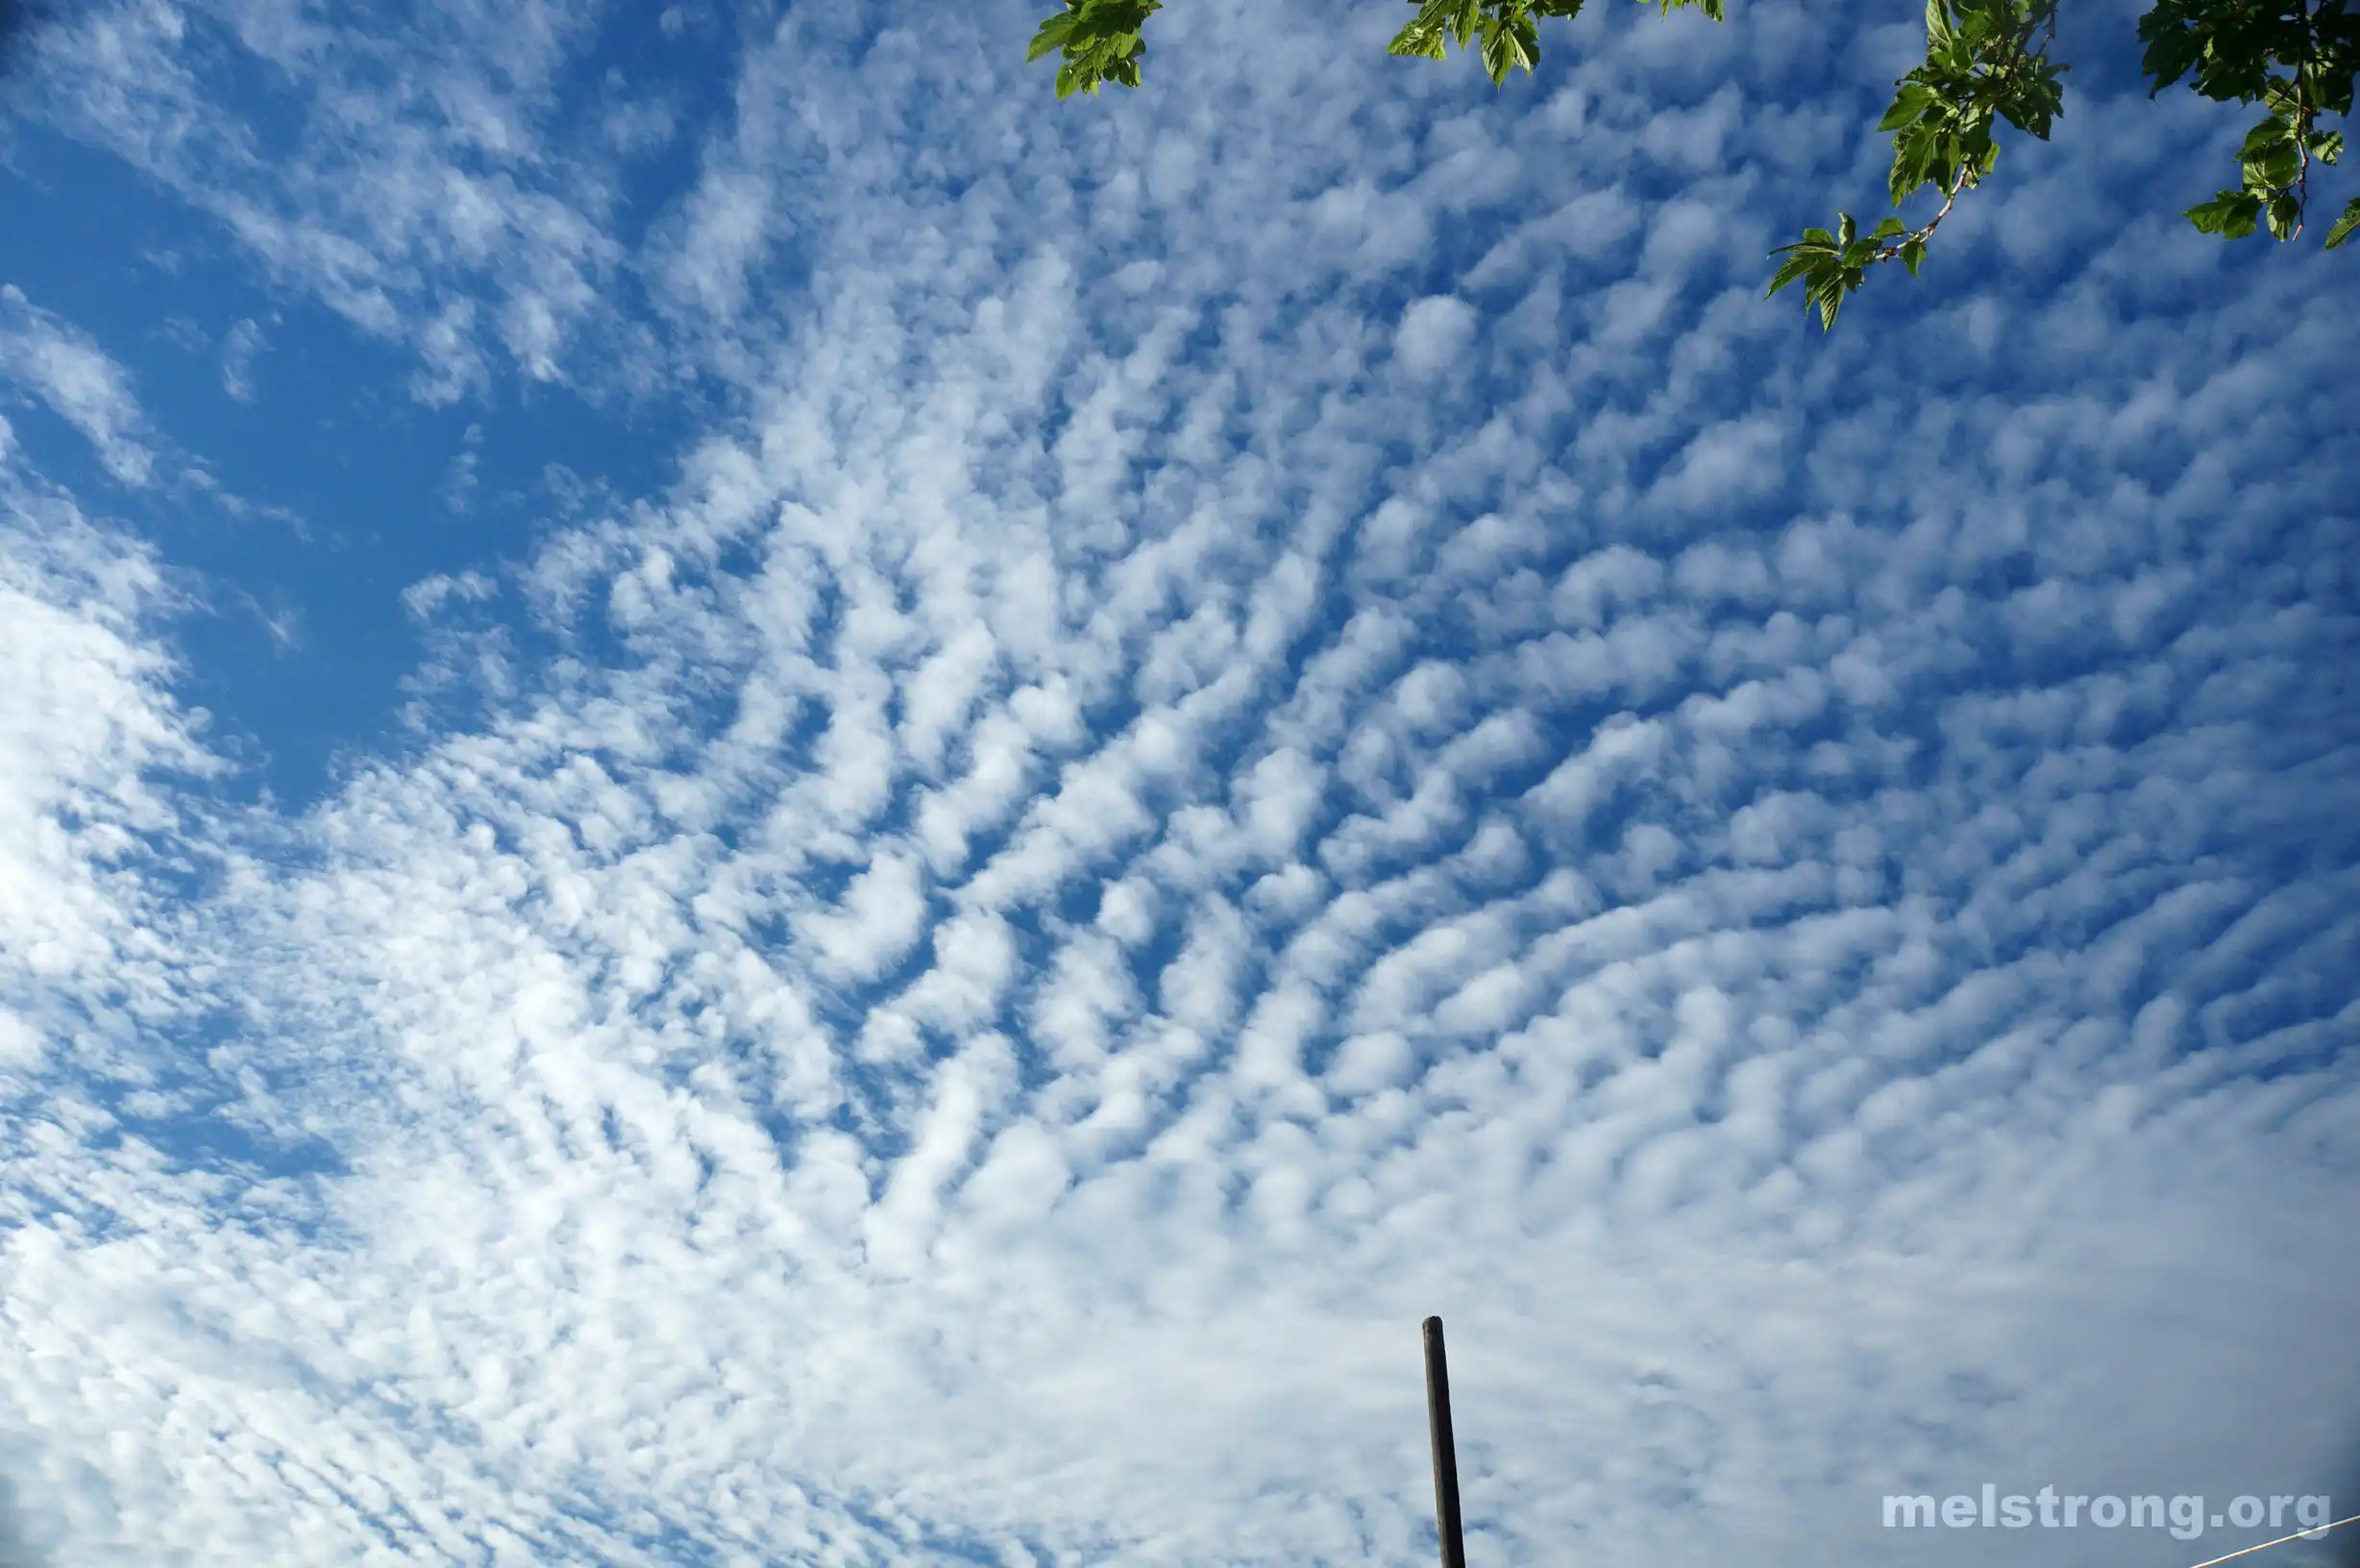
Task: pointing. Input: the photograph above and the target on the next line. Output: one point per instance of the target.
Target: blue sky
(761, 802)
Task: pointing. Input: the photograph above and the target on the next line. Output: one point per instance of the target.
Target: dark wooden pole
(1445, 1452)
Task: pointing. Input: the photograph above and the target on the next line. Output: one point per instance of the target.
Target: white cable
(2298, 1536)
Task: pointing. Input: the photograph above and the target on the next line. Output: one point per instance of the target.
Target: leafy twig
(1979, 65)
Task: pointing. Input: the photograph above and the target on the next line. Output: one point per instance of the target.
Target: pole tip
(1432, 1326)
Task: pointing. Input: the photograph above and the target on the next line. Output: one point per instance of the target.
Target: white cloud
(87, 728)
(1434, 334)
(1735, 461)
(401, 184)
(68, 370)
(239, 349)
(1102, 859)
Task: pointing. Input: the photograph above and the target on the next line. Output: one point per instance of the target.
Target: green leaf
(2035, 103)
(1418, 39)
(2345, 224)
(1509, 41)
(1889, 228)
(1913, 149)
(2231, 214)
(1413, 40)
(1913, 252)
(2284, 215)
(2275, 169)
(2173, 46)
(1909, 103)
(2263, 138)
(1507, 30)
(1052, 35)
(1790, 269)
(1829, 266)
(1099, 43)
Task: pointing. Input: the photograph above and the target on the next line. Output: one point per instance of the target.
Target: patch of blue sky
(331, 489)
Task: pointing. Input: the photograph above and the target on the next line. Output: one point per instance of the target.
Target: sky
(761, 802)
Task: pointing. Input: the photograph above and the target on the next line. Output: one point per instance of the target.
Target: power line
(2298, 1536)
